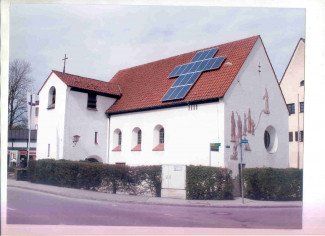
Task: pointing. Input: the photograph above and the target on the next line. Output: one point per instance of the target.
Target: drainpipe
(298, 132)
(108, 138)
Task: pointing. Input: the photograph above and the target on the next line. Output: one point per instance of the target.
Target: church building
(171, 111)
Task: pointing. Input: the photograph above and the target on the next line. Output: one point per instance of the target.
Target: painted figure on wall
(234, 150)
(247, 147)
(249, 121)
(252, 127)
(240, 127)
(233, 128)
(266, 98)
(245, 126)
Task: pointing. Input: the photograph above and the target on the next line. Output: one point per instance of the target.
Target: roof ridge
(55, 71)
(189, 52)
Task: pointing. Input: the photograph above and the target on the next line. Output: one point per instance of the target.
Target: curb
(148, 202)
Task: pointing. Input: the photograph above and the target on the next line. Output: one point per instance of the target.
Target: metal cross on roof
(64, 59)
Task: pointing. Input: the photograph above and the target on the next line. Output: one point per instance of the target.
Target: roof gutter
(170, 105)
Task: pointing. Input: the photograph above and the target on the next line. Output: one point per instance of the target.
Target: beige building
(293, 87)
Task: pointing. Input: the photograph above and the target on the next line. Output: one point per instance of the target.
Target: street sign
(215, 147)
(244, 141)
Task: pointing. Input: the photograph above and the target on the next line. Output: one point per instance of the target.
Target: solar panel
(181, 86)
(203, 55)
(211, 53)
(197, 56)
(173, 74)
(217, 63)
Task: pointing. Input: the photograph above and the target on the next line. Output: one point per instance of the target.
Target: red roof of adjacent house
(87, 84)
(144, 86)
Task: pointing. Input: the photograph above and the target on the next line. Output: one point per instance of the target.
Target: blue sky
(100, 40)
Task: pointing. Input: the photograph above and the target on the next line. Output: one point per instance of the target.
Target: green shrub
(95, 176)
(11, 169)
(207, 183)
(273, 184)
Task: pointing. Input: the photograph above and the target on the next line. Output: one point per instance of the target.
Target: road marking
(11, 209)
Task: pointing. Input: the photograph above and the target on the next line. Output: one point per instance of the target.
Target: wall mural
(249, 127)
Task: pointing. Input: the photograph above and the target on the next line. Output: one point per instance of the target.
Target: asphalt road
(31, 207)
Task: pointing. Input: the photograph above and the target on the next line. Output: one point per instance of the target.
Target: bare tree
(19, 83)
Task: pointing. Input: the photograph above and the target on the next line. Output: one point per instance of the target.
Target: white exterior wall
(187, 135)
(291, 89)
(84, 122)
(247, 91)
(51, 122)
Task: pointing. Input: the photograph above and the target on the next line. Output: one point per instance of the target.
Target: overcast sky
(100, 40)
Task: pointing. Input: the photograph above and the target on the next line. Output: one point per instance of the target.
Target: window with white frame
(117, 140)
(159, 138)
(302, 107)
(136, 139)
(92, 101)
(51, 98)
(291, 108)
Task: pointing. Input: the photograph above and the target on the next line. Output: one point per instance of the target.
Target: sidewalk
(98, 196)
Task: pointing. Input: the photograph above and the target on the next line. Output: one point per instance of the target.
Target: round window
(270, 139)
(266, 139)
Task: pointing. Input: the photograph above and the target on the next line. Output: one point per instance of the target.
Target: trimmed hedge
(97, 176)
(273, 184)
(207, 183)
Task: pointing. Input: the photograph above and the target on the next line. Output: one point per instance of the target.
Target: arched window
(117, 140)
(120, 138)
(161, 135)
(139, 136)
(136, 139)
(159, 138)
(52, 97)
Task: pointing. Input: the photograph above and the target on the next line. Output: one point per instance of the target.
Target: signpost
(214, 147)
(241, 168)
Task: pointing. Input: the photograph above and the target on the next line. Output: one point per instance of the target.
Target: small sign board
(244, 141)
(215, 147)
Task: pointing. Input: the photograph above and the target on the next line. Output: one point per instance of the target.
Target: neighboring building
(18, 144)
(293, 88)
(165, 113)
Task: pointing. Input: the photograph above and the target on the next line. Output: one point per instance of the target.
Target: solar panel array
(189, 73)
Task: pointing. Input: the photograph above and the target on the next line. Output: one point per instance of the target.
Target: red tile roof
(144, 86)
(87, 84)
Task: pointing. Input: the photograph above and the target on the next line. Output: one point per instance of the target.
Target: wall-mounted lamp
(75, 139)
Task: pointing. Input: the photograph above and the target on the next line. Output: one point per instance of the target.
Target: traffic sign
(244, 141)
(215, 147)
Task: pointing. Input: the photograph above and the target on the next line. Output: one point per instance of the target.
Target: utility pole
(31, 104)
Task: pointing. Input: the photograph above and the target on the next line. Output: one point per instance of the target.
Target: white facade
(188, 130)
(51, 122)
(71, 117)
(293, 87)
(247, 92)
(188, 133)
